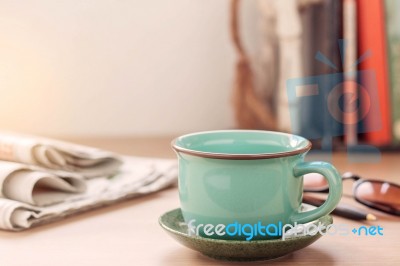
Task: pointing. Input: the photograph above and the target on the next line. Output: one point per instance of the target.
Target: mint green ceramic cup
(248, 177)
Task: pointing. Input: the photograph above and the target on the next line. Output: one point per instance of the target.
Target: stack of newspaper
(43, 180)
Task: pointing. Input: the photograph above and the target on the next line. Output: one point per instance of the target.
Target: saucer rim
(253, 242)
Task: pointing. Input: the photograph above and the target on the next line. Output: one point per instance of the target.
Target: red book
(372, 36)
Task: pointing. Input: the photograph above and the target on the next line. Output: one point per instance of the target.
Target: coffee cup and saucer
(241, 195)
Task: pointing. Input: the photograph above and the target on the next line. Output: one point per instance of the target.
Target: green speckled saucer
(235, 250)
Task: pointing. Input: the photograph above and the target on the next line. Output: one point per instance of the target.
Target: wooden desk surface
(128, 233)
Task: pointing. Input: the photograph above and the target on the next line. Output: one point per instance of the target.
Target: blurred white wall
(110, 68)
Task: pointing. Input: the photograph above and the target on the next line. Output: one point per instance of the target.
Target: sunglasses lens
(315, 182)
(381, 195)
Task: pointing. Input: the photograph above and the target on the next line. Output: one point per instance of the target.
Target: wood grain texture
(128, 233)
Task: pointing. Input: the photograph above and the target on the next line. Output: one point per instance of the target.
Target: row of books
(350, 89)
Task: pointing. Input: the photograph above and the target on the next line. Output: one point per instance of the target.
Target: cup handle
(335, 189)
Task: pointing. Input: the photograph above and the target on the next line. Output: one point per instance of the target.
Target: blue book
(323, 73)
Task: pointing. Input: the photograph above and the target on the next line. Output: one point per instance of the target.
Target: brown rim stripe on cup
(239, 156)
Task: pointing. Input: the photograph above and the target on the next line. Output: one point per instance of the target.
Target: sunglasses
(376, 194)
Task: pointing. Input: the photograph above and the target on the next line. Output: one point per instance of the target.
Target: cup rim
(240, 156)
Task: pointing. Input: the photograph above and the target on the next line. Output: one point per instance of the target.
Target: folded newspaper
(38, 190)
(57, 155)
(31, 185)
(137, 176)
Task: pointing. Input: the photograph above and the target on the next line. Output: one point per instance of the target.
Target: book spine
(322, 68)
(372, 36)
(350, 56)
(393, 36)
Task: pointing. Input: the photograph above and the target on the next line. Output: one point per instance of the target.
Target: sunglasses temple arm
(324, 190)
